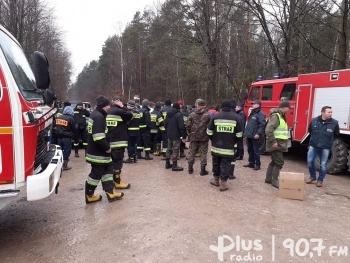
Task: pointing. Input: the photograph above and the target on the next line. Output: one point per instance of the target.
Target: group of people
(164, 130)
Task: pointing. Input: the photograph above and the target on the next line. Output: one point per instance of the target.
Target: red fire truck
(307, 94)
(26, 156)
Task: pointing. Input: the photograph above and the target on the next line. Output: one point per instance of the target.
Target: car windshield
(19, 67)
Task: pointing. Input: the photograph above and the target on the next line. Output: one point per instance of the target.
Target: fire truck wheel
(337, 159)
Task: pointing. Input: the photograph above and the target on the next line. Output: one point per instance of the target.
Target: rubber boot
(268, 177)
(65, 165)
(89, 194)
(113, 195)
(168, 165)
(275, 174)
(76, 152)
(129, 160)
(215, 181)
(190, 168)
(147, 156)
(176, 168)
(203, 171)
(135, 158)
(139, 156)
(223, 186)
(163, 155)
(232, 172)
(157, 150)
(118, 183)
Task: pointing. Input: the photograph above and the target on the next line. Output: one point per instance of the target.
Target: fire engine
(27, 159)
(307, 94)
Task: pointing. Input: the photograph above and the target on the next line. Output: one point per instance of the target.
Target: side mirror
(41, 70)
(49, 97)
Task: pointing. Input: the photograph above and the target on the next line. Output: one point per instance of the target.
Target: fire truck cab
(26, 156)
(307, 94)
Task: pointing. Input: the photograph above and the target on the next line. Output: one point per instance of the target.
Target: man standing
(80, 115)
(157, 123)
(117, 120)
(133, 132)
(167, 108)
(197, 132)
(240, 147)
(98, 154)
(254, 131)
(224, 130)
(323, 129)
(176, 132)
(144, 142)
(65, 129)
(276, 141)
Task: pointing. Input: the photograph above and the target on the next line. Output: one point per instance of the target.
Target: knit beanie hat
(284, 104)
(158, 106)
(226, 104)
(200, 102)
(145, 102)
(80, 103)
(176, 105)
(102, 101)
(131, 103)
(167, 102)
(68, 110)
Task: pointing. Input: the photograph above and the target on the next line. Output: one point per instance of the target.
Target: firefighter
(80, 115)
(57, 114)
(117, 120)
(98, 154)
(224, 130)
(133, 132)
(65, 129)
(144, 142)
(167, 108)
(157, 123)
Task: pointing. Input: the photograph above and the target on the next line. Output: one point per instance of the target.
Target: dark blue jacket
(256, 124)
(174, 125)
(323, 132)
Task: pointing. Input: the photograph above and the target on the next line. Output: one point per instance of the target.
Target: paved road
(175, 217)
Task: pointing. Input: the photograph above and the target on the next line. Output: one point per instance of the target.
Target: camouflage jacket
(197, 125)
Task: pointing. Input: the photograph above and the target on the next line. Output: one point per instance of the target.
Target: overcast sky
(88, 23)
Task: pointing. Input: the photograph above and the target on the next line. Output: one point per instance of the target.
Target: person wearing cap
(197, 132)
(167, 108)
(276, 141)
(80, 117)
(117, 120)
(157, 123)
(176, 132)
(133, 132)
(144, 142)
(240, 147)
(253, 133)
(224, 131)
(65, 129)
(98, 154)
(323, 130)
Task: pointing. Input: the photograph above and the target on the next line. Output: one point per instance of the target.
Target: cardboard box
(291, 185)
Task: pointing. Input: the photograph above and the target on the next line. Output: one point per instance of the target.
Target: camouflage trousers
(198, 146)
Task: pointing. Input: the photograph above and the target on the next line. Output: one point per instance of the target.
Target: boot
(89, 194)
(215, 181)
(203, 171)
(223, 186)
(139, 156)
(232, 172)
(275, 174)
(118, 183)
(176, 168)
(190, 168)
(113, 195)
(147, 157)
(268, 177)
(168, 165)
(129, 160)
(157, 150)
(76, 152)
(134, 157)
(163, 155)
(65, 165)
(182, 155)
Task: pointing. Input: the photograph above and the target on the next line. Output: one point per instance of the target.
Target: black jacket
(174, 125)
(164, 113)
(80, 116)
(145, 119)
(97, 140)
(117, 125)
(323, 132)
(157, 122)
(256, 124)
(134, 124)
(64, 126)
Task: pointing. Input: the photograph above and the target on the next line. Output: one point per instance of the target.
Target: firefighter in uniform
(167, 108)
(65, 129)
(56, 115)
(133, 132)
(157, 123)
(98, 154)
(224, 130)
(144, 142)
(117, 120)
(80, 115)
